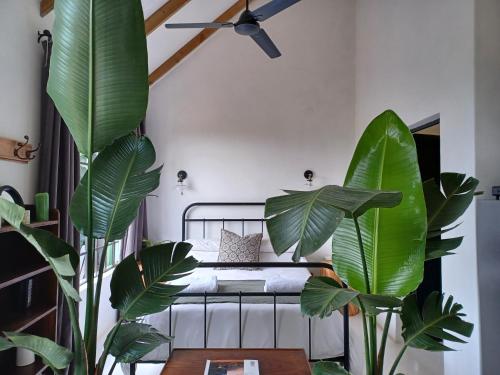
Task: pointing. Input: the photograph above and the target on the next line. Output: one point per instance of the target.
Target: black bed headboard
(186, 219)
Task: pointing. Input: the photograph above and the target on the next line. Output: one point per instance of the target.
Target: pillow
(234, 248)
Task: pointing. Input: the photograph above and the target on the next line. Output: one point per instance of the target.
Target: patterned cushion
(234, 248)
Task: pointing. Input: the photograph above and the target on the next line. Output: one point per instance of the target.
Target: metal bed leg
(346, 338)
(205, 322)
(170, 330)
(240, 323)
(310, 341)
(275, 337)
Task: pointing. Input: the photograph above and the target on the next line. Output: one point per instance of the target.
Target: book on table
(232, 367)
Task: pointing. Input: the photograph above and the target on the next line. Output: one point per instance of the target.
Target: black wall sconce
(181, 186)
(309, 175)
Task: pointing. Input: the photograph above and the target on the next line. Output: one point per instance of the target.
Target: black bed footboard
(241, 295)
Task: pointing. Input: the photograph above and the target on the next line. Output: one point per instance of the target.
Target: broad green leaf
(323, 295)
(120, 184)
(394, 238)
(62, 257)
(134, 340)
(437, 248)
(136, 294)
(376, 304)
(437, 233)
(99, 70)
(445, 206)
(53, 355)
(5, 344)
(11, 212)
(309, 218)
(329, 368)
(423, 330)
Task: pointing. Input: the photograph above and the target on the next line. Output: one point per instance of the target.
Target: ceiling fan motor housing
(247, 24)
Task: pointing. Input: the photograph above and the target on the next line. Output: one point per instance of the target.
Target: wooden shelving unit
(20, 262)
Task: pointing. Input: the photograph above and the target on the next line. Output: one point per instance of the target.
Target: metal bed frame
(185, 222)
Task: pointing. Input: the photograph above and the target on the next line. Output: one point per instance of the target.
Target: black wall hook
(28, 154)
(44, 34)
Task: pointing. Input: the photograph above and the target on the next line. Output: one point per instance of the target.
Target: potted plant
(99, 83)
(385, 224)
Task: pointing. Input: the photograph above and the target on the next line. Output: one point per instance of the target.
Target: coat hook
(27, 153)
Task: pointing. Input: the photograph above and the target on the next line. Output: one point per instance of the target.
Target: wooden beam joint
(194, 43)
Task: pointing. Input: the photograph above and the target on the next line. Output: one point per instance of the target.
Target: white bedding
(257, 319)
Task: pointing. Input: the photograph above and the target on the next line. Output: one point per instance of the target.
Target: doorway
(427, 139)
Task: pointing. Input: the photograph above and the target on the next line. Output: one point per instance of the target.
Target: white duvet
(257, 319)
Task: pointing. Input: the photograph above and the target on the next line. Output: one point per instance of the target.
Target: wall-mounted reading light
(309, 175)
(181, 186)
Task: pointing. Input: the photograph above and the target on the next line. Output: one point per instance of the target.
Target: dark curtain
(59, 174)
(138, 230)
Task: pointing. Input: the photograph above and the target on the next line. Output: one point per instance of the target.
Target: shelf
(16, 322)
(36, 368)
(21, 274)
(40, 224)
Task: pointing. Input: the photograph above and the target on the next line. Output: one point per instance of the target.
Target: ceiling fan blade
(272, 8)
(264, 42)
(202, 25)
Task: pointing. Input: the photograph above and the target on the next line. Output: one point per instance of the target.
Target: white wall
(20, 74)
(417, 57)
(487, 93)
(244, 126)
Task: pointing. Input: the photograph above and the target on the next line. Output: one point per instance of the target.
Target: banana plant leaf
(134, 340)
(5, 344)
(329, 368)
(62, 257)
(99, 70)
(437, 248)
(309, 218)
(394, 239)
(444, 207)
(423, 330)
(135, 293)
(376, 304)
(120, 183)
(53, 355)
(323, 295)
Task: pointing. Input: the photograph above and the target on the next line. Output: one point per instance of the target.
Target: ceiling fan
(248, 24)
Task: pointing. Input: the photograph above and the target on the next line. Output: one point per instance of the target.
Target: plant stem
(383, 343)
(112, 368)
(89, 318)
(372, 329)
(366, 338)
(80, 361)
(107, 346)
(396, 361)
(372, 321)
(363, 257)
(97, 299)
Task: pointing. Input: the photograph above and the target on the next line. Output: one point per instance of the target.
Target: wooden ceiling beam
(194, 43)
(166, 11)
(46, 7)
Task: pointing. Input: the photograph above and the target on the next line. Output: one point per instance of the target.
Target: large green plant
(380, 250)
(99, 83)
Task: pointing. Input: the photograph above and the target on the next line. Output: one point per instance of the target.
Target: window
(113, 251)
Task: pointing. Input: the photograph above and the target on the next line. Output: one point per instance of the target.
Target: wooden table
(271, 361)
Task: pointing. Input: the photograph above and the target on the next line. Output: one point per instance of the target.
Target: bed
(241, 312)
